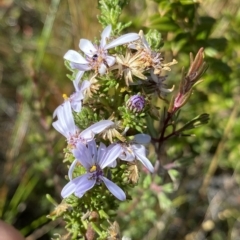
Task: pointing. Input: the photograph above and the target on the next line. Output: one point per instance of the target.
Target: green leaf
(163, 24)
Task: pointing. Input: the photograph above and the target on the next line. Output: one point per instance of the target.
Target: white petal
(56, 111)
(127, 154)
(83, 154)
(84, 184)
(126, 38)
(77, 79)
(142, 138)
(76, 106)
(102, 70)
(95, 129)
(140, 153)
(101, 126)
(110, 60)
(132, 46)
(92, 147)
(65, 123)
(114, 189)
(60, 129)
(105, 34)
(113, 164)
(101, 150)
(70, 187)
(71, 169)
(87, 47)
(66, 117)
(111, 154)
(75, 57)
(85, 84)
(81, 67)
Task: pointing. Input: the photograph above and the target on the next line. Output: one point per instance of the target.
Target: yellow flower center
(65, 97)
(93, 168)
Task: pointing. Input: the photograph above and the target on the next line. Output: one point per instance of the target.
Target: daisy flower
(96, 57)
(94, 160)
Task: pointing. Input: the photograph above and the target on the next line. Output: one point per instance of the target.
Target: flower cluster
(88, 146)
(105, 120)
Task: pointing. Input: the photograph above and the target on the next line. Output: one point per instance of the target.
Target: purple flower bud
(136, 103)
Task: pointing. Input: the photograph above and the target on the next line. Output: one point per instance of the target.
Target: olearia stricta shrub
(116, 78)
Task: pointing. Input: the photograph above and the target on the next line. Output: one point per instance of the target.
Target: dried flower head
(133, 173)
(156, 83)
(111, 132)
(114, 231)
(130, 66)
(93, 87)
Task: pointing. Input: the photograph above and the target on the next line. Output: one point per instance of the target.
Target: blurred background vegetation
(200, 197)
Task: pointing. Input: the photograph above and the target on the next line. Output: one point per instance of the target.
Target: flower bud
(136, 103)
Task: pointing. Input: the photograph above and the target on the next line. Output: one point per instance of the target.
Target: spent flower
(130, 66)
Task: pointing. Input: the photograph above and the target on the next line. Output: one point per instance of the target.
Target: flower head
(66, 126)
(150, 59)
(97, 57)
(80, 88)
(136, 150)
(155, 83)
(94, 160)
(65, 123)
(76, 98)
(130, 66)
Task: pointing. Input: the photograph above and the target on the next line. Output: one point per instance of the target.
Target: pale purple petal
(142, 138)
(70, 170)
(87, 134)
(110, 60)
(75, 57)
(56, 111)
(92, 148)
(60, 129)
(126, 38)
(65, 123)
(85, 84)
(101, 150)
(82, 153)
(127, 154)
(76, 104)
(102, 69)
(87, 47)
(66, 117)
(81, 67)
(132, 46)
(95, 129)
(111, 154)
(77, 79)
(101, 125)
(105, 34)
(70, 187)
(114, 189)
(140, 153)
(77, 97)
(85, 183)
(113, 164)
